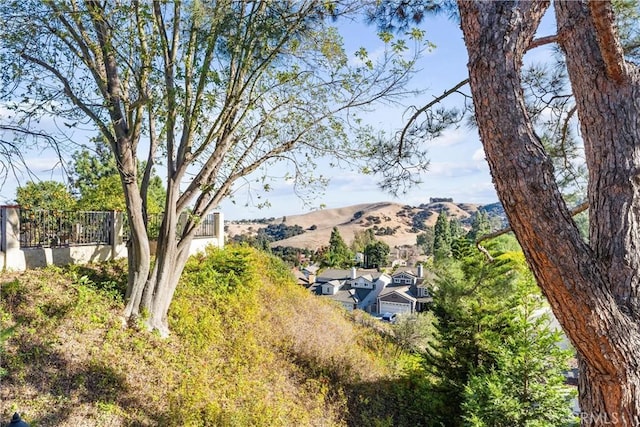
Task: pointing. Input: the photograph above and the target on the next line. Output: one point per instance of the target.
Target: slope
(248, 347)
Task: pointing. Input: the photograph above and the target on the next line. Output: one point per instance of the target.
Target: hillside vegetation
(248, 347)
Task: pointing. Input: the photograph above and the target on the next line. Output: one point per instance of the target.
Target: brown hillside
(381, 215)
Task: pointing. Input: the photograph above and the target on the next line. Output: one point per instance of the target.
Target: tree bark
(592, 288)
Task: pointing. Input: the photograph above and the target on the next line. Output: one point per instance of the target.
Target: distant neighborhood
(405, 291)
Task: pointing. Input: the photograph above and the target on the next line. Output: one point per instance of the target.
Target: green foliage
(105, 195)
(247, 348)
(487, 346)
(480, 225)
(45, 195)
(425, 240)
(281, 231)
(526, 386)
(291, 255)
(89, 167)
(338, 255)
(95, 176)
(362, 238)
(414, 332)
(442, 237)
(376, 255)
(627, 14)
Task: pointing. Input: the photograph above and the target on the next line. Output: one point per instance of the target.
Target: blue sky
(457, 167)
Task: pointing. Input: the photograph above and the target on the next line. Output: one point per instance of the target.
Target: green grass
(248, 347)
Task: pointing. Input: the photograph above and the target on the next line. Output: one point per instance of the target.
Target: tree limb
(575, 211)
(608, 41)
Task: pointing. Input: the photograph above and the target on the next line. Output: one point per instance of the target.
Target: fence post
(219, 228)
(116, 232)
(10, 227)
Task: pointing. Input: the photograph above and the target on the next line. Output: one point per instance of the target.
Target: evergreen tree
(480, 225)
(526, 385)
(442, 237)
(376, 255)
(483, 339)
(338, 254)
(425, 239)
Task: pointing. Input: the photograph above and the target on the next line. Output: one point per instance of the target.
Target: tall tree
(361, 239)
(218, 90)
(442, 237)
(376, 255)
(526, 385)
(89, 166)
(485, 346)
(425, 240)
(338, 254)
(592, 287)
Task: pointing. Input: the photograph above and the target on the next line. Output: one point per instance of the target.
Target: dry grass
(382, 214)
(248, 347)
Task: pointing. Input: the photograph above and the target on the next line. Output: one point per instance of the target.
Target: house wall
(13, 257)
(369, 303)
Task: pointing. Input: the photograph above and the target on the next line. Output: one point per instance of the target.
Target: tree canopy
(212, 92)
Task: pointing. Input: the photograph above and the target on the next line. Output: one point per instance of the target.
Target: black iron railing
(206, 228)
(53, 228)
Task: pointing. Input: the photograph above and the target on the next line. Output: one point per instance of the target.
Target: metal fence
(206, 227)
(54, 229)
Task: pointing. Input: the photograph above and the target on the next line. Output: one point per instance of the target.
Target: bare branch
(72, 96)
(425, 108)
(541, 41)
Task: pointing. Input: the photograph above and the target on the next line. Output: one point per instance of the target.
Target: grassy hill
(405, 222)
(248, 348)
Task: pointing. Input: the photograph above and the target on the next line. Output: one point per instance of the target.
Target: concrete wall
(13, 257)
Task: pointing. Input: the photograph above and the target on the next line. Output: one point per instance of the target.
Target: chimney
(420, 271)
(353, 273)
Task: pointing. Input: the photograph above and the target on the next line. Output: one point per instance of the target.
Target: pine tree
(526, 386)
(338, 255)
(442, 237)
(484, 338)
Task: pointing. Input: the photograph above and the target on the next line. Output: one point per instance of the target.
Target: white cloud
(479, 156)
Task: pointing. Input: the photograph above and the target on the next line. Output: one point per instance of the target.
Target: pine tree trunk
(592, 288)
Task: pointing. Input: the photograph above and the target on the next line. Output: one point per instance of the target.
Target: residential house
(306, 276)
(408, 292)
(354, 288)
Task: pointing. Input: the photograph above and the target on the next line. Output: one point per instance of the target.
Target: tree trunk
(171, 257)
(139, 253)
(592, 288)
